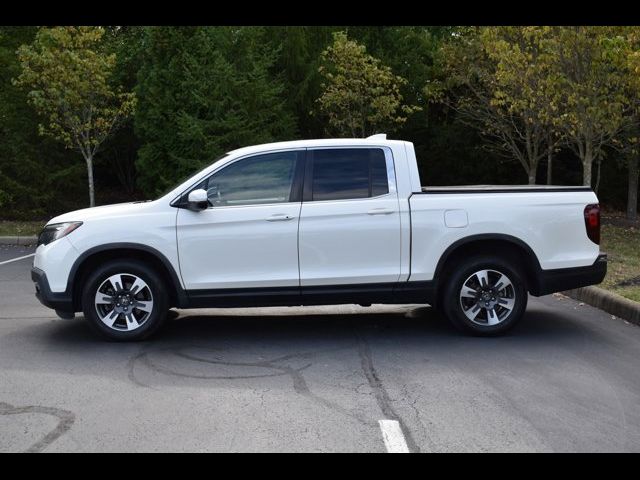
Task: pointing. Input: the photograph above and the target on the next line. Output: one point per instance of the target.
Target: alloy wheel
(487, 297)
(124, 302)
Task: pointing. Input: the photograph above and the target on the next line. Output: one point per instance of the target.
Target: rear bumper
(558, 280)
(58, 301)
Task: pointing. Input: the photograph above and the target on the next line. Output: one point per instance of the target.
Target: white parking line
(16, 259)
(393, 436)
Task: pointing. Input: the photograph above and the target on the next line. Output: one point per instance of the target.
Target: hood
(117, 209)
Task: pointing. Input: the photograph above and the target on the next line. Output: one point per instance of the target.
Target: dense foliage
(482, 105)
(206, 91)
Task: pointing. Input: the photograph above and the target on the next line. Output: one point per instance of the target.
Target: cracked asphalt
(319, 379)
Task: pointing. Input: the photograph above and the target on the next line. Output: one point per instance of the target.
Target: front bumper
(561, 279)
(58, 301)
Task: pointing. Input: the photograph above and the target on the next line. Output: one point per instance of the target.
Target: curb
(16, 240)
(609, 302)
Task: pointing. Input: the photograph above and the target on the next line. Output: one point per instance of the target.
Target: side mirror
(198, 199)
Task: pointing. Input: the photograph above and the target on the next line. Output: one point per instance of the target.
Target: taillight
(592, 222)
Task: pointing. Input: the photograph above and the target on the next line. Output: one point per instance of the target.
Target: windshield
(188, 176)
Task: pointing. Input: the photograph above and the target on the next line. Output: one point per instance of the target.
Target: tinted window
(348, 173)
(379, 180)
(255, 180)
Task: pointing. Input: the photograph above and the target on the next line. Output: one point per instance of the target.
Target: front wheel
(485, 296)
(125, 300)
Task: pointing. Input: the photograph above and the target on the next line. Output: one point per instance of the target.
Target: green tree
(298, 51)
(68, 74)
(16, 123)
(202, 92)
(360, 96)
(524, 76)
(120, 150)
(409, 52)
(590, 87)
(497, 80)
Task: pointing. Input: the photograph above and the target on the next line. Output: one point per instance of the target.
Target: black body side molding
(365, 294)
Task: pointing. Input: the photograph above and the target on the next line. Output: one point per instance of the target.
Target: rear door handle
(381, 211)
(279, 217)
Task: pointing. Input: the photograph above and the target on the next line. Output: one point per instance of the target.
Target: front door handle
(381, 211)
(279, 217)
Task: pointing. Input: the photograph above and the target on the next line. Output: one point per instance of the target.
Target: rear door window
(347, 173)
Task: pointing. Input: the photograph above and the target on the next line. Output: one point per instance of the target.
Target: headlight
(55, 231)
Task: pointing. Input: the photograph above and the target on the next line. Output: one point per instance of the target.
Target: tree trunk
(532, 174)
(632, 193)
(587, 161)
(92, 200)
(598, 175)
(549, 157)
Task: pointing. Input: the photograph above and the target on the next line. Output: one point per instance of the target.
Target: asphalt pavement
(316, 379)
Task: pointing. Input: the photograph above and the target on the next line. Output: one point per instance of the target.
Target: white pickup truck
(319, 222)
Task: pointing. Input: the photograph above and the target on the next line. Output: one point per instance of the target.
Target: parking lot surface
(316, 379)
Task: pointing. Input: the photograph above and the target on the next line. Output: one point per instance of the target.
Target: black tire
(454, 306)
(150, 322)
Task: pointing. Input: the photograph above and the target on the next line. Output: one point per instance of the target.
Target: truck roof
(377, 140)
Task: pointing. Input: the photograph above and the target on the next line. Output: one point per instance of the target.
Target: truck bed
(547, 219)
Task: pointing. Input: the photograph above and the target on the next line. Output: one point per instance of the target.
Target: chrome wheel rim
(487, 297)
(124, 302)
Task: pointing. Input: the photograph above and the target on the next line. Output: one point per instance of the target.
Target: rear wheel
(125, 300)
(485, 296)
